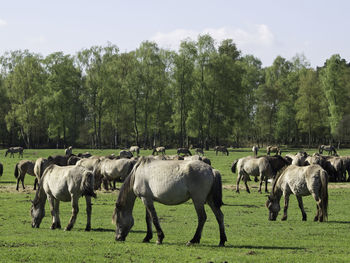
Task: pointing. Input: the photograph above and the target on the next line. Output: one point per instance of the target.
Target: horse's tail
(216, 189)
(324, 194)
(16, 170)
(87, 184)
(234, 166)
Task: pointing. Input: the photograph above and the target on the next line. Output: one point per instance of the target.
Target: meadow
(251, 236)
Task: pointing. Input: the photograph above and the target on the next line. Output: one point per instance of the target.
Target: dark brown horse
(21, 169)
(184, 151)
(13, 150)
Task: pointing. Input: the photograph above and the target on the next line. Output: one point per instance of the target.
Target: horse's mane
(278, 175)
(125, 189)
(37, 195)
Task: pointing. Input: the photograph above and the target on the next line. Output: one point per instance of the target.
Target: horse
(67, 183)
(264, 166)
(1, 169)
(84, 155)
(329, 148)
(222, 149)
(346, 163)
(73, 159)
(61, 160)
(301, 181)
(184, 151)
(135, 149)
(13, 150)
(197, 158)
(199, 151)
(170, 183)
(299, 158)
(21, 169)
(255, 150)
(68, 151)
(273, 149)
(114, 170)
(160, 149)
(252, 166)
(91, 164)
(125, 154)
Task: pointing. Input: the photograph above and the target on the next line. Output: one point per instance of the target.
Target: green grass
(251, 237)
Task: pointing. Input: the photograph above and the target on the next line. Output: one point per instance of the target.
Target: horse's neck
(277, 189)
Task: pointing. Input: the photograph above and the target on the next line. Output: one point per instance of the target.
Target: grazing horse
(222, 149)
(184, 151)
(329, 148)
(114, 170)
(301, 181)
(21, 169)
(157, 150)
(169, 183)
(68, 151)
(252, 166)
(65, 184)
(1, 169)
(13, 150)
(135, 149)
(273, 149)
(255, 150)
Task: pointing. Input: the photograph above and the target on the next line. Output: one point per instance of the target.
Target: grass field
(251, 237)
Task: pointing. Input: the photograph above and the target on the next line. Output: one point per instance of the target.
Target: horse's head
(274, 207)
(37, 212)
(124, 221)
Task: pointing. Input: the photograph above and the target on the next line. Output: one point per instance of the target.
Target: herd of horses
(173, 180)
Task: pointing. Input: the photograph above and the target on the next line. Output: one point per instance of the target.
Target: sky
(263, 28)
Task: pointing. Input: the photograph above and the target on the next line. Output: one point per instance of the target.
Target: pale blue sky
(265, 28)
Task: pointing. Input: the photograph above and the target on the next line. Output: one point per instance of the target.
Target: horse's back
(173, 182)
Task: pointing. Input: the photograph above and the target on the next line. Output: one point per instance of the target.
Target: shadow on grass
(339, 222)
(102, 230)
(249, 206)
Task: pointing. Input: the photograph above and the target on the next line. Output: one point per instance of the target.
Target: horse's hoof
(88, 228)
(221, 244)
(159, 242)
(189, 243)
(284, 218)
(145, 240)
(67, 228)
(52, 227)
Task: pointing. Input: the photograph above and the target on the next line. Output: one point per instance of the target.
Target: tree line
(203, 94)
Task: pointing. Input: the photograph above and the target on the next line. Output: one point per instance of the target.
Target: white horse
(170, 183)
(301, 181)
(67, 183)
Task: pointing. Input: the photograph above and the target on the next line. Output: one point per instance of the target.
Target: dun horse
(65, 184)
(135, 149)
(157, 150)
(222, 149)
(170, 183)
(21, 169)
(301, 181)
(13, 150)
(273, 149)
(329, 148)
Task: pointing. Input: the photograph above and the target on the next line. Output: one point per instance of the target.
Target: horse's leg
(88, 212)
(22, 179)
(57, 211)
(261, 181)
(220, 219)
(35, 183)
(245, 180)
(301, 206)
(149, 235)
(75, 211)
(202, 217)
(319, 214)
(51, 200)
(238, 179)
(285, 209)
(150, 208)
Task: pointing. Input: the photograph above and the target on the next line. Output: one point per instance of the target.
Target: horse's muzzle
(119, 238)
